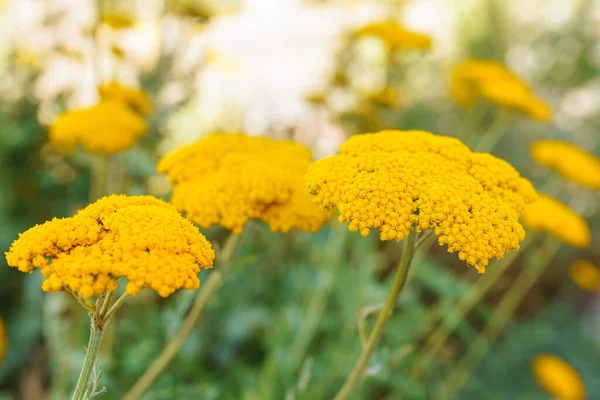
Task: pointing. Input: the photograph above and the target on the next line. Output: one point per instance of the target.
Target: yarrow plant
(473, 79)
(564, 223)
(586, 275)
(106, 128)
(395, 35)
(558, 378)
(569, 160)
(139, 239)
(137, 99)
(229, 179)
(405, 182)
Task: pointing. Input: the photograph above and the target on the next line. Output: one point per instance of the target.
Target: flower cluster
(556, 218)
(558, 378)
(106, 128)
(137, 100)
(473, 79)
(569, 160)
(139, 238)
(396, 36)
(228, 179)
(397, 181)
(586, 275)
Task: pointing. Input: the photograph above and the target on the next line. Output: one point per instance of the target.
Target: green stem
(490, 138)
(89, 362)
(451, 320)
(382, 318)
(99, 176)
(502, 315)
(171, 350)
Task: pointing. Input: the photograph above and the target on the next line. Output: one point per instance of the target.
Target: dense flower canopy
(558, 378)
(106, 128)
(397, 181)
(139, 238)
(586, 275)
(228, 179)
(556, 218)
(137, 100)
(473, 79)
(392, 33)
(570, 161)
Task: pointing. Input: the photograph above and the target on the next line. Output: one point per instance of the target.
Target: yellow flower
(107, 128)
(395, 35)
(228, 179)
(117, 20)
(3, 340)
(388, 97)
(138, 100)
(586, 275)
(397, 181)
(550, 215)
(139, 238)
(558, 378)
(472, 79)
(570, 161)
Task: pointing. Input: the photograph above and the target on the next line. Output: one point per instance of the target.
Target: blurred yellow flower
(228, 179)
(389, 97)
(570, 161)
(117, 20)
(398, 181)
(558, 378)
(396, 36)
(556, 218)
(473, 79)
(3, 340)
(136, 99)
(139, 238)
(107, 128)
(586, 275)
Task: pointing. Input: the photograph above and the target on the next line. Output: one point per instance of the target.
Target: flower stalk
(384, 315)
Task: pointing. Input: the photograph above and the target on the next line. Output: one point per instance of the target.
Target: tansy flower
(3, 340)
(107, 128)
(395, 36)
(136, 99)
(556, 218)
(228, 179)
(490, 80)
(570, 161)
(586, 275)
(397, 181)
(558, 378)
(139, 238)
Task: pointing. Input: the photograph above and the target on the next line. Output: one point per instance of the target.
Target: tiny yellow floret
(395, 35)
(558, 378)
(107, 128)
(228, 179)
(572, 162)
(586, 275)
(397, 181)
(556, 218)
(139, 238)
(490, 80)
(137, 99)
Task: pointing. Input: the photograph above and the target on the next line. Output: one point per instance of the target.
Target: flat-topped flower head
(228, 179)
(107, 128)
(586, 275)
(572, 162)
(556, 218)
(490, 80)
(136, 99)
(398, 181)
(396, 36)
(558, 378)
(139, 238)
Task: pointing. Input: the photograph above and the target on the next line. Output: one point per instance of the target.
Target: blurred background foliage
(284, 325)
